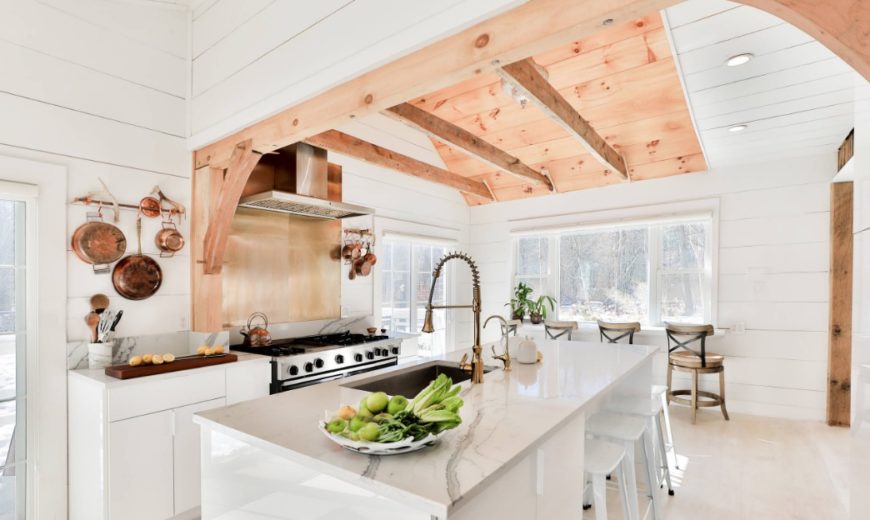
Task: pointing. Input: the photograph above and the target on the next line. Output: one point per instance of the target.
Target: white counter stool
(613, 332)
(558, 329)
(651, 410)
(629, 431)
(695, 362)
(600, 459)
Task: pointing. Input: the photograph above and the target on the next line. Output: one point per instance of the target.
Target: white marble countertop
(503, 419)
(98, 375)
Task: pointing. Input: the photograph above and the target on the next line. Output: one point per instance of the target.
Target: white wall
(254, 58)
(99, 87)
(773, 269)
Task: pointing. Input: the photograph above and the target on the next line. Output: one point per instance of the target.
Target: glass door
(13, 346)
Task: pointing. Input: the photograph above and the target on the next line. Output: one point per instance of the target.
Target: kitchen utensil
(98, 243)
(104, 328)
(116, 320)
(347, 251)
(169, 240)
(351, 274)
(99, 303)
(257, 336)
(126, 371)
(372, 330)
(137, 277)
(150, 207)
(362, 267)
(93, 321)
(355, 253)
(371, 258)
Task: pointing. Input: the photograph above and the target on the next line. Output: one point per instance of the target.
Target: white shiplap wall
(99, 87)
(796, 96)
(772, 275)
(254, 58)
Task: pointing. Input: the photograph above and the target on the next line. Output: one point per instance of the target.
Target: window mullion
(654, 274)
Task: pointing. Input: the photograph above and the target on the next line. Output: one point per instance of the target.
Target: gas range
(298, 362)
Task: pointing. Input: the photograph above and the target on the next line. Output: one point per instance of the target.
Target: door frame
(46, 315)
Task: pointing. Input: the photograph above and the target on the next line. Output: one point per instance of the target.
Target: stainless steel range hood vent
(283, 202)
(303, 169)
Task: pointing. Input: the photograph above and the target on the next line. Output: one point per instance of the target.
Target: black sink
(409, 381)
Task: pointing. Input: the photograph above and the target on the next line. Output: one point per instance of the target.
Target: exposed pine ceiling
(622, 80)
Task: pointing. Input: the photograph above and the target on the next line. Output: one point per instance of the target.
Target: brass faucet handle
(464, 364)
(505, 358)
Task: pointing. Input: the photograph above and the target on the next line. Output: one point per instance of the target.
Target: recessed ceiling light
(737, 128)
(739, 59)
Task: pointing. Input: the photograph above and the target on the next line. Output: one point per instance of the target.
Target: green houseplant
(519, 304)
(538, 308)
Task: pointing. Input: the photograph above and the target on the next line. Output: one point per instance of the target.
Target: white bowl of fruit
(384, 425)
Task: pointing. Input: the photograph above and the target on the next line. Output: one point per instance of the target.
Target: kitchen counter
(504, 420)
(98, 375)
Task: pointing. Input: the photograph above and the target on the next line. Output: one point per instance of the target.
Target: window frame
(656, 217)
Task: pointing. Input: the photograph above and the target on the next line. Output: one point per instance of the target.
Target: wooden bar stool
(695, 362)
(617, 331)
(559, 329)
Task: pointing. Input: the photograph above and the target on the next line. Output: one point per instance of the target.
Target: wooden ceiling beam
(351, 146)
(527, 78)
(451, 134)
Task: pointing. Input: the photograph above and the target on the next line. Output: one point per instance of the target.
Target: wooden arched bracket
(242, 163)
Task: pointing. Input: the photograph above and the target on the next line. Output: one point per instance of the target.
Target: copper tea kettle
(257, 336)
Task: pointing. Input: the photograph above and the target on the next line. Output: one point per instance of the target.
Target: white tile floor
(754, 468)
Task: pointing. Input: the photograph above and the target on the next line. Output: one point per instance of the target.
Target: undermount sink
(409, 381)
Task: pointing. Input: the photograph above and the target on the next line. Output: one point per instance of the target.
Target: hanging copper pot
(137, 277)
(98, 243)
(169, 240)
(149, 207)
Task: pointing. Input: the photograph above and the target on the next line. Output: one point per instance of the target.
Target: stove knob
(309, 367)
(370, 355)
(339, 359)
(395, 351)
(318, 363)
(385, 352)
(357, 357)
(293, 370)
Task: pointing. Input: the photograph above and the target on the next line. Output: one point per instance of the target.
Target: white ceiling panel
(795, 96)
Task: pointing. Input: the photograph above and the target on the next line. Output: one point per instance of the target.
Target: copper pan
(137, 277)
(98, 243)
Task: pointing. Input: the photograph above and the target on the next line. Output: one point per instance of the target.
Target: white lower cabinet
(140, 467)
(134, 448)
(187, 454)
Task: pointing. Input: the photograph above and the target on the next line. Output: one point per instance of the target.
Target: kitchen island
(517, 455)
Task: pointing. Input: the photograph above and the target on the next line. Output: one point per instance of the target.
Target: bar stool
(694, 362)
(628, 431)
(510, 327)
(617, 331)
(557, 329)
(614, 332)
(600, 459)
(650, 410)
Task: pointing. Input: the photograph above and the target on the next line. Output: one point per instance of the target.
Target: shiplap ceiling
(796, 97)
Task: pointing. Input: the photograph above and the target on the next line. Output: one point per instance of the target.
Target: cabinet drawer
(165, 393)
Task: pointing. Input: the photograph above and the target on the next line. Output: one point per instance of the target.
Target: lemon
(135, 361)
(147, 359)
(168, 358)
(157, 359)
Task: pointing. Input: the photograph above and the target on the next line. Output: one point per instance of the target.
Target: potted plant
(519, 304)
(538, 308)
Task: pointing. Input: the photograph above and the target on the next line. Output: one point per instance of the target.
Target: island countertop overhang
(503, 419)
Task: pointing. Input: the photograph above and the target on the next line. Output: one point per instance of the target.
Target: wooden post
(840, 324)
(206, 310)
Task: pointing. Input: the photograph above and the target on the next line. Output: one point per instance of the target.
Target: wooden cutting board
(182, 363)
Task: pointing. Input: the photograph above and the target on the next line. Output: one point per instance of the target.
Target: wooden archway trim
(242, 163)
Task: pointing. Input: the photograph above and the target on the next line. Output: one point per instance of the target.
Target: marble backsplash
(185, 342)
(178, 343)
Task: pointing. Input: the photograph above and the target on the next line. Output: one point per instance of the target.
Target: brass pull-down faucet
(476, 366)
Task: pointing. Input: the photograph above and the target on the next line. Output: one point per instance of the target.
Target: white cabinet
(187, 454)
(134, 448)
(140, 467)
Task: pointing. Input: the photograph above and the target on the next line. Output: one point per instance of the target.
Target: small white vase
(528, 351)
(100, 354)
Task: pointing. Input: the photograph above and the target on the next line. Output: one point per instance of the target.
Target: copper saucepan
(169, 240)
(137, 277)
(98, 243)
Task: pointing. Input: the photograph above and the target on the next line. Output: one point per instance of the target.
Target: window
(407, 276)
(645, 271)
